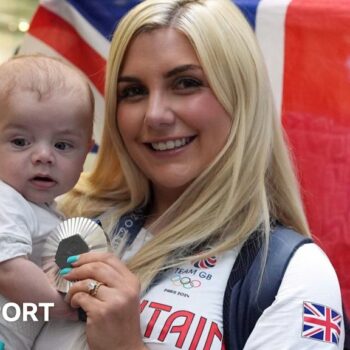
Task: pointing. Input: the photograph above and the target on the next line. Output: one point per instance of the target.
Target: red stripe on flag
(62, 37)
(316, 114)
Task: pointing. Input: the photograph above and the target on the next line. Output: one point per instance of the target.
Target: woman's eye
(20, 142)
(132, 92)
(62, 146)
(187, 83)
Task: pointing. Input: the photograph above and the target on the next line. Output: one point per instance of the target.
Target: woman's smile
(171, 144)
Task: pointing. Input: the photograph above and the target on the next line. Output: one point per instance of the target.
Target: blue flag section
(104, 15)
(249, 8)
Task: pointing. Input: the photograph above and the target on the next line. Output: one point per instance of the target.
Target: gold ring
(93, 287)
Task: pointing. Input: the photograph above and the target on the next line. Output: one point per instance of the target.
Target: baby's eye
(187, 83)
(20, 142)
(63, 146)
(131, 92)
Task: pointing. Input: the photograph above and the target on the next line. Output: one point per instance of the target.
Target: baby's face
(43, 144)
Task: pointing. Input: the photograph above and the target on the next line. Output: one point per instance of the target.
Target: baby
(46, 125)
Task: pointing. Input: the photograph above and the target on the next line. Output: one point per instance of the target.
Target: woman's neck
(162, 200)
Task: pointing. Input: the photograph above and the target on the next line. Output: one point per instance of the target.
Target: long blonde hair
(251, 181)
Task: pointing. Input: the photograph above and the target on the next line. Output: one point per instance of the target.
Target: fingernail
(2, 345)
(64, 272)
(72, 259)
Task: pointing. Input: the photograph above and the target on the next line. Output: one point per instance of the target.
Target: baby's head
(46, 125)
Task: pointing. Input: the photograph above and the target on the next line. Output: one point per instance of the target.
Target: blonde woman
(192, 162)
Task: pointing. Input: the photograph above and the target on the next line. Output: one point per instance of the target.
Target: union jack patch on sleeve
(321, 323)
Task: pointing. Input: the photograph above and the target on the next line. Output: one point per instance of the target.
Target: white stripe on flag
(270, 29)
(88, 32)
(32, 45)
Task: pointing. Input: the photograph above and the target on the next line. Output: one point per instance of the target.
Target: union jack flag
(321, 323)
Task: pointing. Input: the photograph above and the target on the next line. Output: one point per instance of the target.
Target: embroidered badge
(321, 323)
(206, 263)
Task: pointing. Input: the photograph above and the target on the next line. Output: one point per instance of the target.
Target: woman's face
(172, 124)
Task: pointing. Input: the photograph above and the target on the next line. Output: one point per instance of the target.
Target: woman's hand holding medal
(109, 294)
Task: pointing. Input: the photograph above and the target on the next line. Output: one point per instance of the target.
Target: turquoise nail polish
(64, 272)
(73, 259)
(2, 345)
